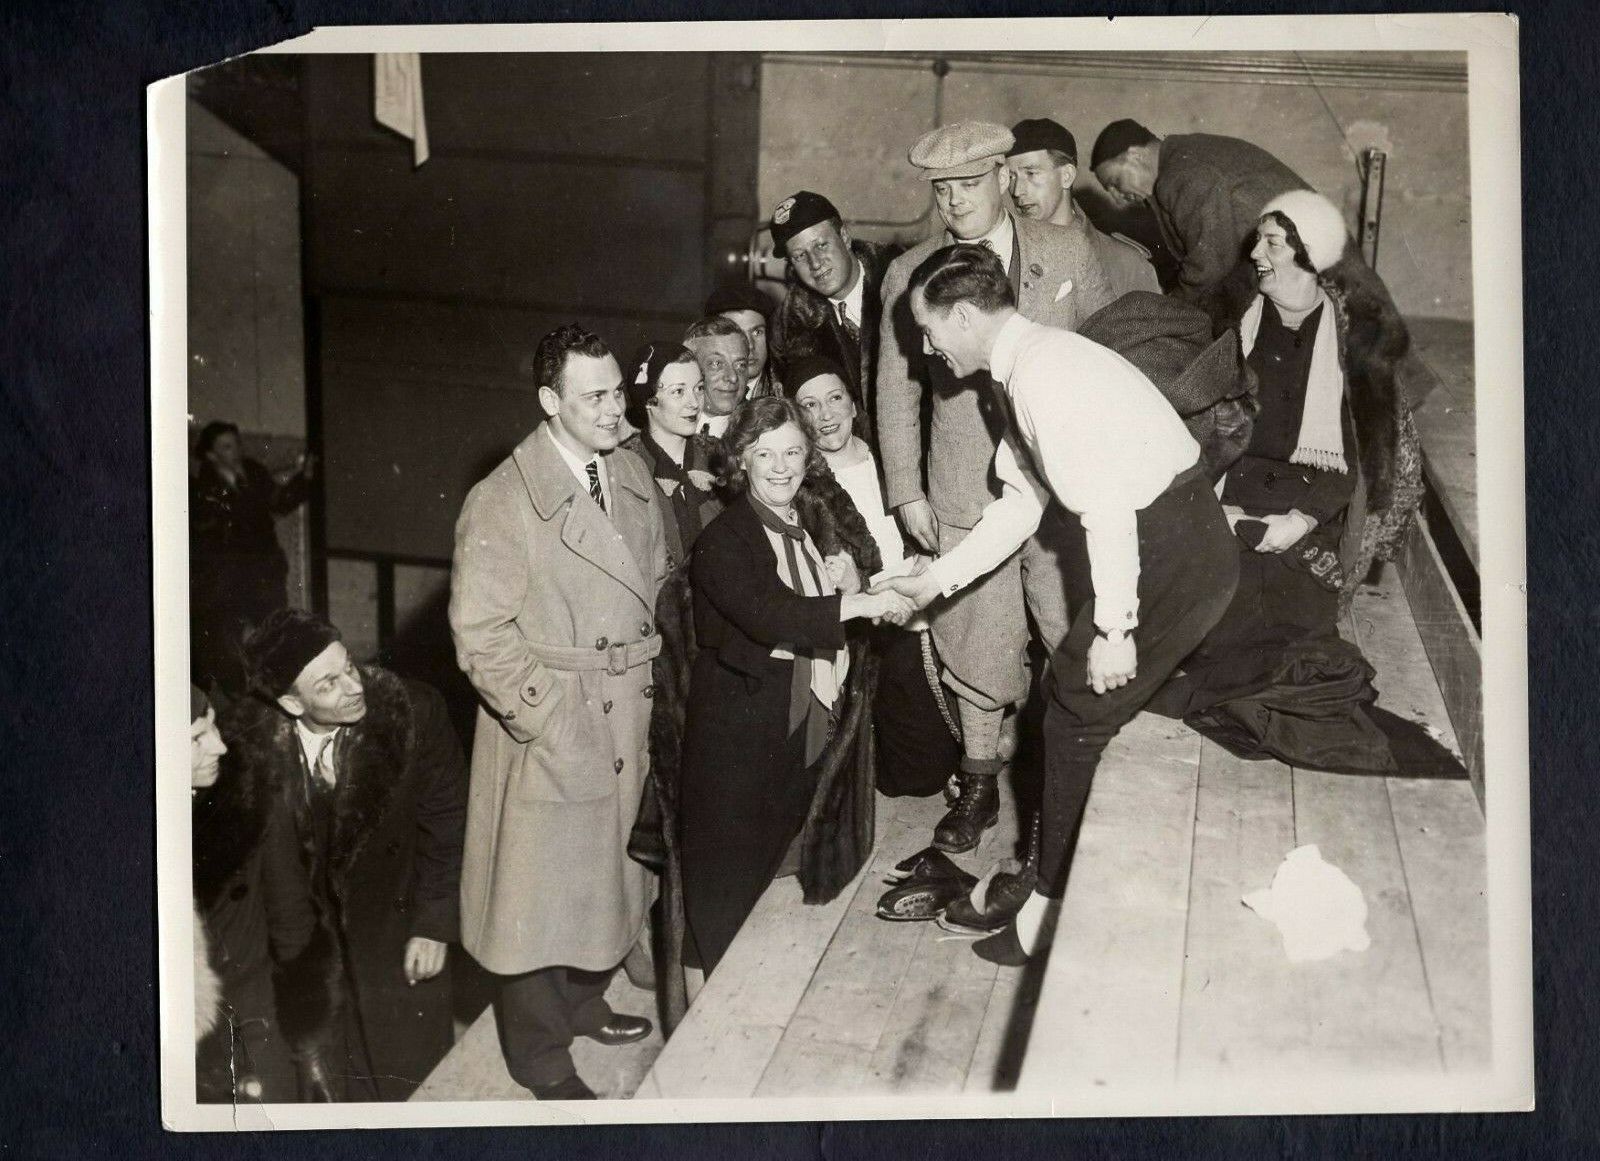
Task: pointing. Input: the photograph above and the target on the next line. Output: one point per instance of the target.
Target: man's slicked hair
(711, 327)
(963, 273)
(550, 358)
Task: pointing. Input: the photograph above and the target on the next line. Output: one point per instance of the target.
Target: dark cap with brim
(1042, 133)
(797, 214)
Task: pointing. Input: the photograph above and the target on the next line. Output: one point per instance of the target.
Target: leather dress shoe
(1005, 896)
(621, 1029)
(571, 1088)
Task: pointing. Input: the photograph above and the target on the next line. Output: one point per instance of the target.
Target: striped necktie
(595, 493)
(850, 328)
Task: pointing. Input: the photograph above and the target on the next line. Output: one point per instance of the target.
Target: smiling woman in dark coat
(769, 683)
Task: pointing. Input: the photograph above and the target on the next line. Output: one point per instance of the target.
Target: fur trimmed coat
(837, 835)
(1373, 341)
(390, 869)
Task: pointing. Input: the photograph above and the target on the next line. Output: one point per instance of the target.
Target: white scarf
(1320, 443)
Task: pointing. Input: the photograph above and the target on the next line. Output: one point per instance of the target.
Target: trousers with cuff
(540, 1013)
(1188, 566)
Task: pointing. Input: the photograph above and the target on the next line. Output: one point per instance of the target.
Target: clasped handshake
(893, 599)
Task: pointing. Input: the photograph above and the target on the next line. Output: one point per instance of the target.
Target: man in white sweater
(1152, 564)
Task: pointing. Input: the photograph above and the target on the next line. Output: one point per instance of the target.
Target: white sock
(1035, 921)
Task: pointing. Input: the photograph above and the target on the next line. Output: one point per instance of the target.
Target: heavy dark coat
(1373, 341)
(838, 832)
(1208, 195)
(275, 960)
(391, 870)
(807, 324)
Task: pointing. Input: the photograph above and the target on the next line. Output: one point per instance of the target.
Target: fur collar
(805, 311)
(373, 759)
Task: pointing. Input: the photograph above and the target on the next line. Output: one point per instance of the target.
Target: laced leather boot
(975, 811)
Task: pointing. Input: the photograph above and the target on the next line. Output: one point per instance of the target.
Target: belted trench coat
(552, 608)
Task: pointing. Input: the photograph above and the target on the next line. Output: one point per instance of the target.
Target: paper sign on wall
(397, 98)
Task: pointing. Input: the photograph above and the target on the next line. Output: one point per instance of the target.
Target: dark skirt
(743, 798)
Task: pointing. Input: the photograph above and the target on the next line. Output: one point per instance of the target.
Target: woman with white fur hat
(1329, 483)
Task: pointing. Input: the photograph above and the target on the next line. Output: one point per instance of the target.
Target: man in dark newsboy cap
(981, 634)
(833, 300)
(373, 777)
(1043, 164)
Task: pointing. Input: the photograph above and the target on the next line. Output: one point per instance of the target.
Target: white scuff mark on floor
(1318, 911)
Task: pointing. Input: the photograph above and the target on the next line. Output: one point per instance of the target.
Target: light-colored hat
(965, 149)
(1318, 222)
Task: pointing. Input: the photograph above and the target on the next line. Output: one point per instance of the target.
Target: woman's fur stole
(1372, 342)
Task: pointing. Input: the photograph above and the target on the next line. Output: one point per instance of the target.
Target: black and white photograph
(794, 571)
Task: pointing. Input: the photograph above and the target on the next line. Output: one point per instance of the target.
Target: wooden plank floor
(1158, 973)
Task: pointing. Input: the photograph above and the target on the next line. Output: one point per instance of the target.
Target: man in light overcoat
(559, 554)
(981, 635)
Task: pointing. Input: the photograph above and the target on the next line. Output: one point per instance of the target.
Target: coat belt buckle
(617, 659)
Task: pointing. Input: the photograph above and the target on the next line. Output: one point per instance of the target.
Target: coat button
(601, 643)
(605, 707)
(646, 628)
(511, 715)
(533, 691)
(618, 766)
(649, 691)
(1270, 479)
(402, 906)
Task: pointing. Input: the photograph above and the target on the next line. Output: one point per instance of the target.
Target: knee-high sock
(980, 731)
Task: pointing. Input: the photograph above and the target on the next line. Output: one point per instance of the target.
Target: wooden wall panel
(507, 231)
(560, 188)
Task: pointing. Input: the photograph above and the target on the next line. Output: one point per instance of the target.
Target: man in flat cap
(832, 308)
(560, 552)
(1207, 193)
(981, 635)
(750, 310)
(372, 774)
(1043, 164)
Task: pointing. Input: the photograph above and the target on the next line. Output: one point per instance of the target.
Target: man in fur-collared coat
(374, 779)
(834, 301)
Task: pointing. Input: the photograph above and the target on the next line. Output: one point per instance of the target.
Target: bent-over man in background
(1207, 192)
